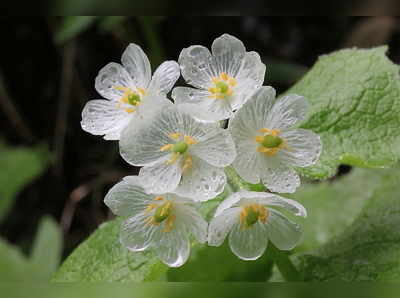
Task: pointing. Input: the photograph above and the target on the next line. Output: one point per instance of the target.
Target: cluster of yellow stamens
(250, 214)
(270, 142)
(180, 148)
(163, 212)
(222, 86)
(130, 97)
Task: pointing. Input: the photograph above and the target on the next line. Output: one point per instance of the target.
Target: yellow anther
(232, 82)
(250, 214)
(169, 224)
(141, 91)
(129, 110)
(175, 135)
(173, 158)
(121, 88)
(259, 139)
(149, 208)
(158, 199)
(166, 147)
(189, 140)
(187, 164)
(224, 76)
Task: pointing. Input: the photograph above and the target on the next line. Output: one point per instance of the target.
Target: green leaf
(355, 109)
(103, 258)
(72, 26)
(47, 248)
(14, 266)
(325, 203)
(19, 166)
(369, 249)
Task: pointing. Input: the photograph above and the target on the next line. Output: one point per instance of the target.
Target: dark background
(48, 66)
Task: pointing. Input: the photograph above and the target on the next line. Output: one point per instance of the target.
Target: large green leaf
(46, 253)
(355, 109)
(19, 166)
(369, 249)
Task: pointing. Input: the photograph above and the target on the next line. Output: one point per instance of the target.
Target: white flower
(251, 221)
(160, 222)
(180, 154)
(225, 79)
(267, 145)
(130, 91)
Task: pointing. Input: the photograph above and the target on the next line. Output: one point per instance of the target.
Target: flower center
(270, 142)
(130, 98)
(223, 86)
(180, 148)
(163, 213)
(253, 213)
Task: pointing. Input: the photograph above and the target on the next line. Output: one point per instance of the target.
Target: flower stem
(286, 267)
(236, 183)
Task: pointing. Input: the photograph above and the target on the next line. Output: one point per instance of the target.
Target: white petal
(135, 234)
(253, 115)
(127, 198)
(162, 177)
(221, 225)
(111, 76)
(193, 222)
(198, 104)
(282, 232)
(247, 163)
(228, 53)
(202, 181)
(173, 247)
(137, 65)
(304, 147)
(242, 92)
(103, 117)
(281, 179)
(228, 203)
(216, 147)
(287, 111)
(252, 68)
(151, 105)
(269, 199)
(197, 66)
(250, 243)
(165, 77)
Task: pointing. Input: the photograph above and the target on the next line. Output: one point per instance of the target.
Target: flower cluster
(183, 150)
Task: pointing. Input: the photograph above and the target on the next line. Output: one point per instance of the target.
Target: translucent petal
(304, 147)
(161, 177)
(137, 65)
(250, 243)
(103, 117)
(282, 232)
(111, 76)
(287, 111)
(199, 105)
(127, 198)
(151, 105)
(246, 163)
(227, 203)
(242, 92)
(281, 179)
(173, 248)
(216, 147)
(202, 181)
(221, 225)
(197, 66)
(228, 53)
(269, 199)
(165, 77)
(252, 68)
(253, 115)
(135, 234)
(193, 222)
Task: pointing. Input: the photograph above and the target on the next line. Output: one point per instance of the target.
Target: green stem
(237, 183)
(286, 267)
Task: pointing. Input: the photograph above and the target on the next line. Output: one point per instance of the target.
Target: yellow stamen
(158, 198)
(232, 82)
(166, 147)
(129, 110)
(259, 139)
(169, 223)
(250, 214)
(189, 140)
(187, 164)
(122, 88)
(141, 91)
(224, 76)
(175, 135)
(173, 159)
(149, 208)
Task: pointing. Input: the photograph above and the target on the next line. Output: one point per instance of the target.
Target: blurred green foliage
(43, 261)
(19, 166)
